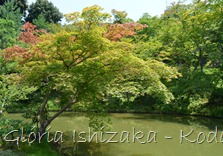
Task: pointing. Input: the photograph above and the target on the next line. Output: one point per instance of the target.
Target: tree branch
(61, 111)
(42, 109)
(62, 60)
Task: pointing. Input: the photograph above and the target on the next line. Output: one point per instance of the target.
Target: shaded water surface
(143, 135)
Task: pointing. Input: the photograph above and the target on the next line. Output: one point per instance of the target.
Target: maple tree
(30, 34)
(83, 66)
(117, 31)
(16, 53)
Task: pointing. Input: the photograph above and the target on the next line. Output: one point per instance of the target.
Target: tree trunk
(43, 127)
(46, 123)
(42, 109)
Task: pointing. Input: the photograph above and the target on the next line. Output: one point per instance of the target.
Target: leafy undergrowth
(43, 149)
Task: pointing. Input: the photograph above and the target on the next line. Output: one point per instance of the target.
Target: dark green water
(204, 140)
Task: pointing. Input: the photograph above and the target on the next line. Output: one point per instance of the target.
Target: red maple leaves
(16, 53)
(29, 35)
(117, 31)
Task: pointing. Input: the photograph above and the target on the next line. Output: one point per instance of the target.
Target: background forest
(100, 62)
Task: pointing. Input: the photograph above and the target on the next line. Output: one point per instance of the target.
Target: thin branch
(80, 55)
(61, 111)
(62, 60)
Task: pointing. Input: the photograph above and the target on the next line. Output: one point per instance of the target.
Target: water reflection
(164, 125)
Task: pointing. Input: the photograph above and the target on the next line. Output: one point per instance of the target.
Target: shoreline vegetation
(134, 112)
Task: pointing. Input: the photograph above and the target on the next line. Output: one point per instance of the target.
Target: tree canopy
(45, 8)
(19, 4)
(84, 66)
(9, 11)
(120, 17)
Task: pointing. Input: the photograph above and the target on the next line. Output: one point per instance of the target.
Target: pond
(141, 135)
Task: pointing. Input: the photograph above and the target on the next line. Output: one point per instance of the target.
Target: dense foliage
(168, 64)
(47, 9)
(19, 4)
(186, 38)
(9, 12)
